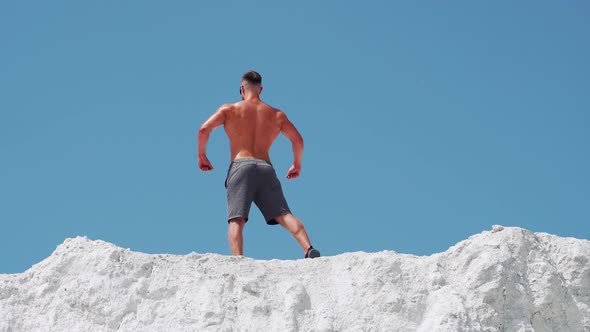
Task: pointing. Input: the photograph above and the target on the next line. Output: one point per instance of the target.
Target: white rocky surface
(507, 279)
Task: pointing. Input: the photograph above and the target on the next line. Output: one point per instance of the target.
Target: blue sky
(424, 122)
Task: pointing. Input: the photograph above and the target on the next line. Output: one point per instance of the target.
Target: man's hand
(293, 172)
(205, 164)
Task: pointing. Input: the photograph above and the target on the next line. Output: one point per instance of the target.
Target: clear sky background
(424, 121)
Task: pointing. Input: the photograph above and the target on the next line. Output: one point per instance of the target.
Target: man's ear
(260, 89)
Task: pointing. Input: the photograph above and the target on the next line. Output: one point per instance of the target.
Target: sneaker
(312, 253)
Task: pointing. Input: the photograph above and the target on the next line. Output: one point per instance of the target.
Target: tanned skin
(252, 126)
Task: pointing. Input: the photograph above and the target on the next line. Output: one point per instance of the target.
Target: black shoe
(312, 253)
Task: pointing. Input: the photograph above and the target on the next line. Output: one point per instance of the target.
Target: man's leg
(234, 235)
(295, 227)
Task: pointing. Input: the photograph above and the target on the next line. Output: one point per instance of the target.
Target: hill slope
(507, 279)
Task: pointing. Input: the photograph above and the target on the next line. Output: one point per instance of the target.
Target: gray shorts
(254, 180)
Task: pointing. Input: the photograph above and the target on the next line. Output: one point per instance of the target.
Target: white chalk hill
(507, 279)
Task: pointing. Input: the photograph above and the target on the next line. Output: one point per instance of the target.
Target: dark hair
(252, 77)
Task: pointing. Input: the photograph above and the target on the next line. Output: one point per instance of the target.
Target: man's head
(251, 83)
(252, 77)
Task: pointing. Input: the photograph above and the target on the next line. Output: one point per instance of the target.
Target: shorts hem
(273, 220)
(234, 217)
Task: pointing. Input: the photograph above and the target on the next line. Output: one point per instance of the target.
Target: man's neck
(252, 97)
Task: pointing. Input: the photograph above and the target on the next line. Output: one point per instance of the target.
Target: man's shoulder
(274, 109)
(227, 108)
(229, 105)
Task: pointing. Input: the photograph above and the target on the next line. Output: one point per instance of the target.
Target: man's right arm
(289, 130)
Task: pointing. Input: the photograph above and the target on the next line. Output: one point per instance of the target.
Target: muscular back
(252, 126)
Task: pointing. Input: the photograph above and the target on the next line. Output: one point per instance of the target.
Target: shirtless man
(252, 126)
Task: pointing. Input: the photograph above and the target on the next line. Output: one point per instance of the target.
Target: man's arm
(289, 130)
(216, 120)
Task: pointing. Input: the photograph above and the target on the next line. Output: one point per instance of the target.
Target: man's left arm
(216, 120)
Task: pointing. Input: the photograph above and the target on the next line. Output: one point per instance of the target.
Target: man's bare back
(251, 126)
